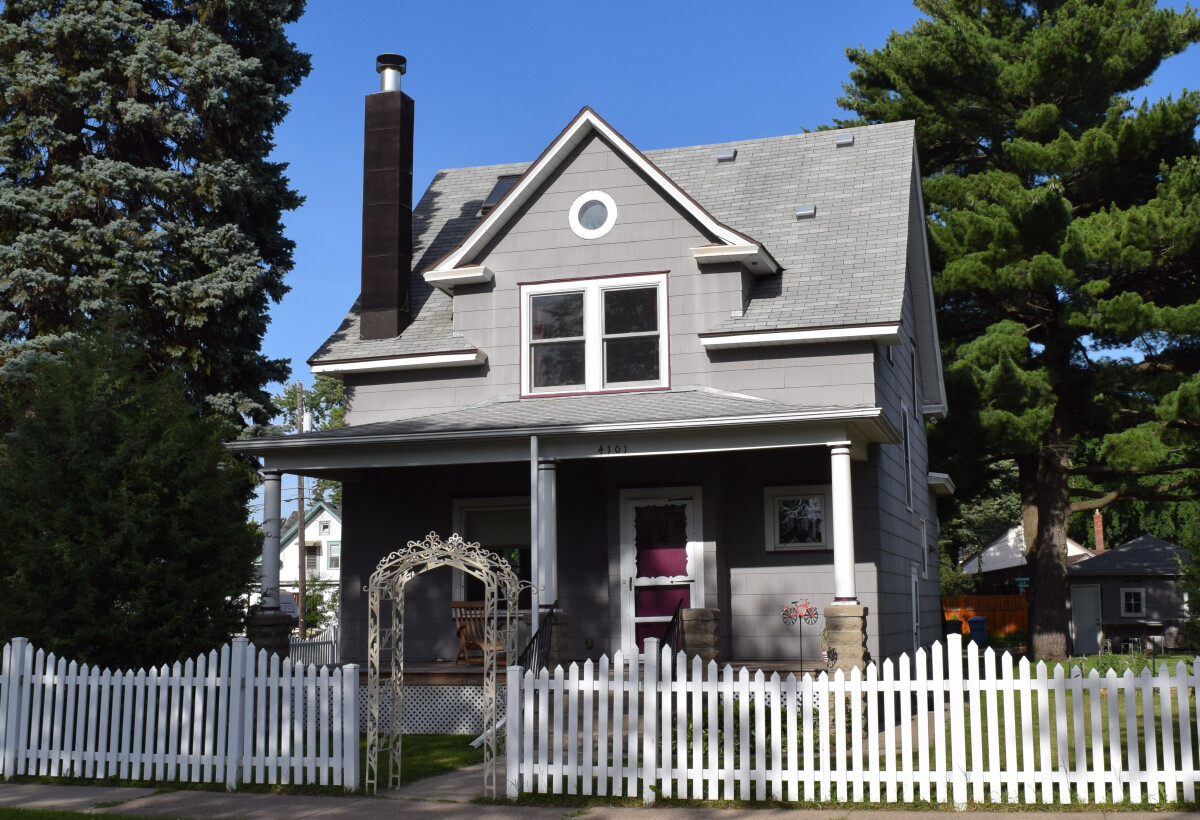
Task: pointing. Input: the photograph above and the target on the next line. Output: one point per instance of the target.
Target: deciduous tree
(1065, 225)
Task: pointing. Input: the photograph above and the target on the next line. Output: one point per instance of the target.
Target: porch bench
(469, 622)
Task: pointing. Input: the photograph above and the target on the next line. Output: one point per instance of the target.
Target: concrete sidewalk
(447, 796)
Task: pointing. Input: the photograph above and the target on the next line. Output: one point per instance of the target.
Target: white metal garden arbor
(500, 584)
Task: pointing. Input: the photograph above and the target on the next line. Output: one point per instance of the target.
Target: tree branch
(1133, 491)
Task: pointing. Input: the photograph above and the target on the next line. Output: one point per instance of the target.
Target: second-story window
(598, 334)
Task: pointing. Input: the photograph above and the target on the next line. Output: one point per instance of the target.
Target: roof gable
(311, 512)
(1144, 555)
(586, 123)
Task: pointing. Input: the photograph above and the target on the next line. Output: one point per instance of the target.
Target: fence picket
(1117, 776)
(1060, 720)
(1168, 733)
(743, 739)
(937, 671)
(807, 699)
(618, 727)
(976, 722)
(1188, 770)
(651, 676)
(906, 739)
(698, 722)
(759, 727)
(512, 738)
(822, 701)
(1010, 727)
(793, 740)
(588, 737)
(571, 773)
(993, 724)
(890, 778)
(1097, 732)
(604, 729)
(629, 688)
(1078, 775)
(681, 733)
(776, 769)
(922, 718)
(1150, 763)
(556, 734)
(727, 760)
(663, 708)
(1132, 764)
(873, 699)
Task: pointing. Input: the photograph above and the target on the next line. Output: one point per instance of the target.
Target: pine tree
(1065, 229)
(127, 543)
(134, 179)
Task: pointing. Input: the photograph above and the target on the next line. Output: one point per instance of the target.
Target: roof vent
(726, 154)
(806, 211)
(391, 68)
(843, 140)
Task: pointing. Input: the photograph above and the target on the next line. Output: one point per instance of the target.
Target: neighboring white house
(1008, 551)
(323, 543)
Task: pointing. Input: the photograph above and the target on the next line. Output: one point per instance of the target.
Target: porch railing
(673, 637)
(536, 655)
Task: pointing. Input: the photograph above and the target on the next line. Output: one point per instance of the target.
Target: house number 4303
(612, 449)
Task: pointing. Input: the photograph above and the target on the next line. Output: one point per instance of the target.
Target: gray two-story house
(695, 376)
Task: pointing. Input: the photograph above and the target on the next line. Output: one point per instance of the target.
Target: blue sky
(496, 81)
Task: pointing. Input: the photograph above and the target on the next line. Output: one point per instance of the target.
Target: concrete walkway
(447, 796)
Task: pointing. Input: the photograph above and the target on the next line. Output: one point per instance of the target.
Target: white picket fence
(320, 649)
(233, 716)
(949, 728)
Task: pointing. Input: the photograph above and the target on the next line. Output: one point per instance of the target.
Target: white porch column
(843, 526)
(272, 518)
(543, 530)
(548, 529)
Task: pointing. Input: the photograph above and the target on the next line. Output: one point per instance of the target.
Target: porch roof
(647, 417)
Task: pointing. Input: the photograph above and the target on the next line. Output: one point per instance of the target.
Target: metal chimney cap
(393, 61)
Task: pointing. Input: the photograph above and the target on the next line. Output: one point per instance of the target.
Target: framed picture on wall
(797, 518)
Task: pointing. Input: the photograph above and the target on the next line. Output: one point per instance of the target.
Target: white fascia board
(447, 279)
(464, 359)
(882, 334)
(754, 257)
(935, 342)
(866, 414)
(940, 483)
(585, 123)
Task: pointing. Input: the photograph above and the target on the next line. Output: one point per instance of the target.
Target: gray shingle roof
(499, 415)
(845, 267)
(1144, 555)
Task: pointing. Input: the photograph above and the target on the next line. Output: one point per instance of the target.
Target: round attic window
(592, 215)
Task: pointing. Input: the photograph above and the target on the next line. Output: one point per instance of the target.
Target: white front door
(661, 556)
(1085, 619)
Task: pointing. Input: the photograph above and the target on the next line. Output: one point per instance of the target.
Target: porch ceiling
(572, 427)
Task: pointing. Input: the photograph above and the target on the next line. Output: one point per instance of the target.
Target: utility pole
(301, 604)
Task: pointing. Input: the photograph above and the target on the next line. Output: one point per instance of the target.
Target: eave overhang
(463, 358)
(880, 334)
(753, 257)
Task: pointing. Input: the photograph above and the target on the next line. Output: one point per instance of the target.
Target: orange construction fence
(1005, 613)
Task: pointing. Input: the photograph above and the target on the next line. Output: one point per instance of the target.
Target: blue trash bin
(978, 626)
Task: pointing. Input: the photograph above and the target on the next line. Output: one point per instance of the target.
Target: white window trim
(324, 527)
(461, 505)
(610, 219)
(593, 332)
(334, 547)
(1142, 594)
(924, 550)
(771, 521)
(906, 444)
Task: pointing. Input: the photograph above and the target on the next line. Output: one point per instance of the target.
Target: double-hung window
(596, 334)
